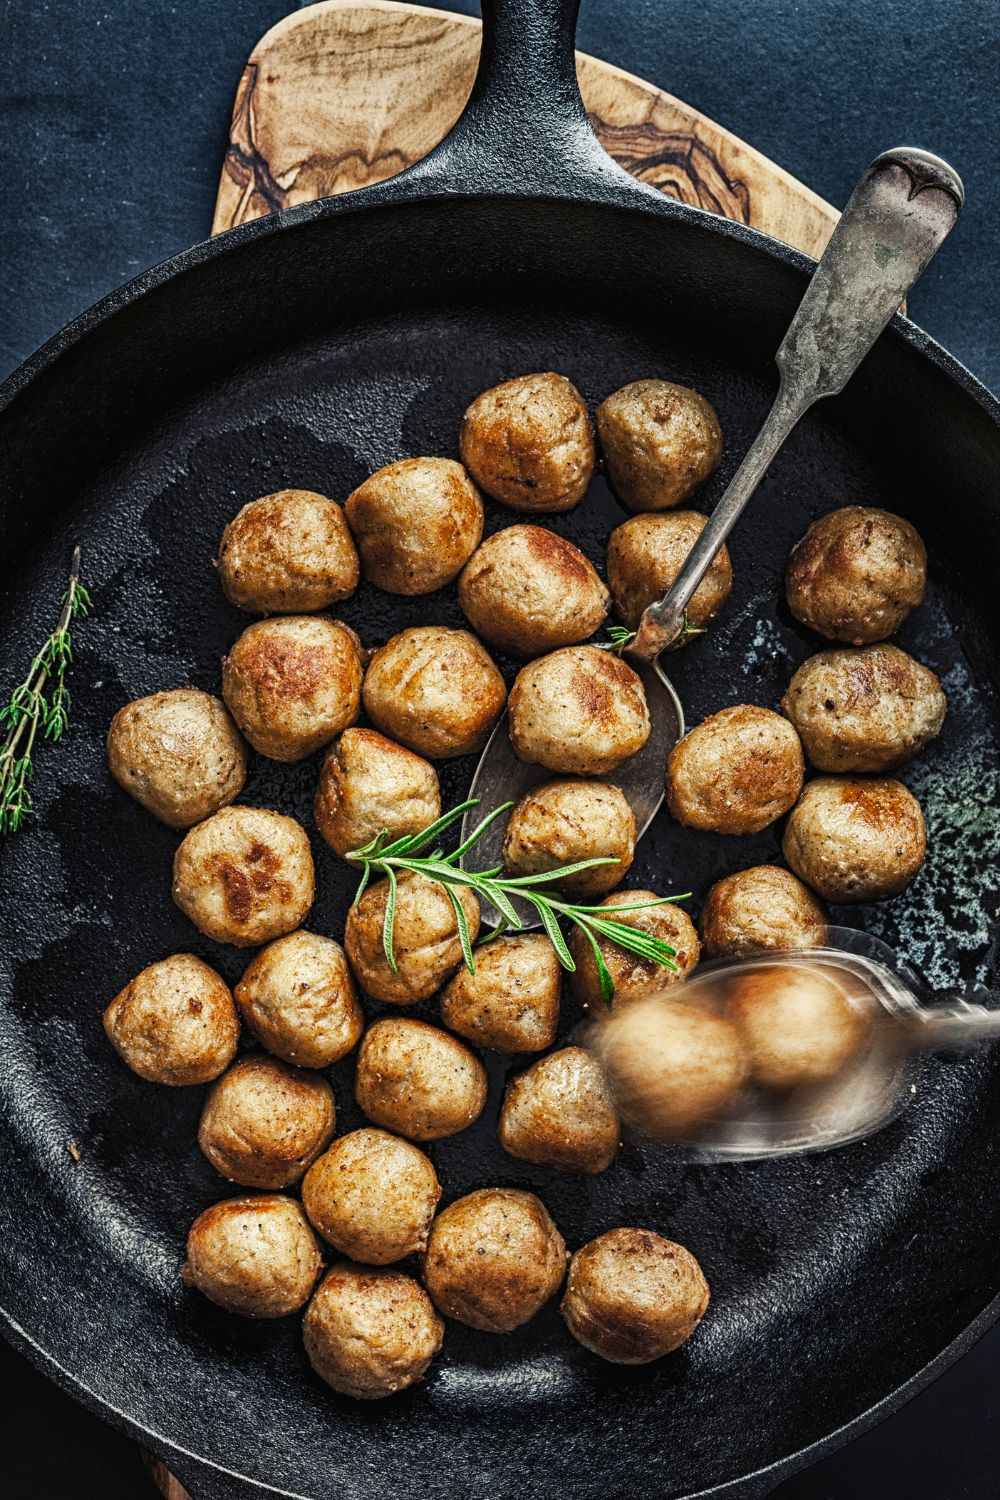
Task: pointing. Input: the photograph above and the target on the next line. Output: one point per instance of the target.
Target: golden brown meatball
(580, 711)
(245, 876)
(856, 574)
(645, 555)
(263, 1122)
(417, 1080)
(632, 1296)
(511, 1002)
(368, 784)
(559, 1114)
(370, 1331)
(856, 838)
(254, 1255)
(287, 554)
(436, 690)
(864, 708)
(529, 443)
(630, 974)
(372, 1196)
(175, 1022)
(758, 910)
(293, 682)
(563, 821)
(297, 997)
(528, 591)
(797, 1024)
(494, 1259)
(660, 442)
(426, 941)
(735, 772)
(179, 754)
(416, 523)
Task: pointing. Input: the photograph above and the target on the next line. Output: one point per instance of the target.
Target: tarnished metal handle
(958, 1024)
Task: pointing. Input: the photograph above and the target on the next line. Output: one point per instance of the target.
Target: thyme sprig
(621, 637)
(38, 706)
(390, 857)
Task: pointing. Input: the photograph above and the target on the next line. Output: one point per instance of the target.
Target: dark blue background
(112, 128)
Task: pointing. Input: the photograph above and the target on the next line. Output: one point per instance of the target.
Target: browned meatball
(660, 442)
(856, 574)
(494, 1259)
(179, 754)
(436, 690)
(797, 1024)
(297, 997)
(559, 1114)
(293, 682)
(175, 1022)
(416, 523)
(254, 1255)
(426, 941)
(528, 591)
(418, 1080)
(372, 1196)
(263, 1122)
(864, 708)
(529, 443)
(580, 711)
(736, 772)
(370, 1331)
(245, 876)
(856, 838)
(630, 974)
(632, 1296)
(758, 910)
(645, 555)
(368, 784)
(563, 821)
(287, 554)
(511, 1002)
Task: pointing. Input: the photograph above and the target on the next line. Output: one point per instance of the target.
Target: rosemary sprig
(387, 857)
(621, 637)
(32, 710)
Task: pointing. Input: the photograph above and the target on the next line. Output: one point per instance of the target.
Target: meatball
(759, 910)
(368, 784)
(632, 1296)
(370, 1331)
(426, 941)
(580, 711)
(528, 591)
(417, 1080)
(735, 772)
(372, 1196)
(264, 1123)
(175, 1022)
(559, 1114)
(630, 974)
(561, 822)
(864, 708)
(494, 1259)
(179, 754)
(797, 1024)
(529, 443)
(659, 441)
(254, 1255)
(646, 554)
(297, 997)
(511, 1002)
(287, 554)
(416, 523)
(437, 690)
(856, 574)
(856, 838)
(293, 682)
(245, 876)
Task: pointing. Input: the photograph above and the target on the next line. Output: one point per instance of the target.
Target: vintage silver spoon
(899, 214)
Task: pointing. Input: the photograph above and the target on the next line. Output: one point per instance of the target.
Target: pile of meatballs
(298, 680)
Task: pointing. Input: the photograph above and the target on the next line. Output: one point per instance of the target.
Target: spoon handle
(958, 1024)
(898, 215)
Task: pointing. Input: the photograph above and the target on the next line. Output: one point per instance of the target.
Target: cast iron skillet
(306, 349)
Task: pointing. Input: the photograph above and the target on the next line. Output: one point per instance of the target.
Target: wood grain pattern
(169, 1487)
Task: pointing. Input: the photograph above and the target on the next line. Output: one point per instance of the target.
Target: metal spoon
(899, 214)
